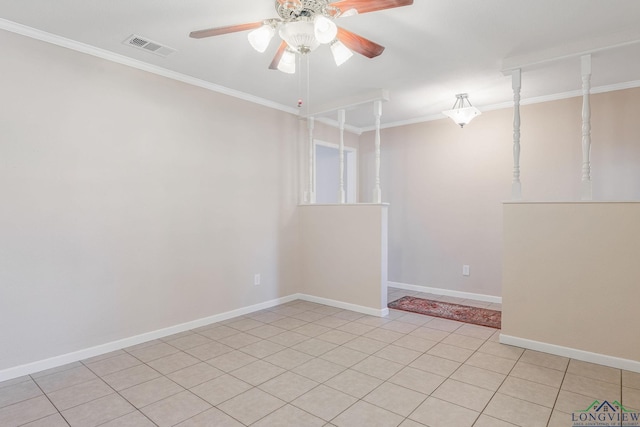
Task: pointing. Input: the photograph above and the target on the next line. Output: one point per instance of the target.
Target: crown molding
(526, 101)
(627, 37)
(140, 65)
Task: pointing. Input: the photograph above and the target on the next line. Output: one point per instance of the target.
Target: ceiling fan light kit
(259, 39)
(287, 63)
(462, 111)
(300, 36)
(340, 52)
(324, 29)
(304, 25)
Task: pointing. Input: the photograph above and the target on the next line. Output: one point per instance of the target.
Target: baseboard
(573, 353)
(75, 356)
(54, 362)
(345, 305)
(446, 292)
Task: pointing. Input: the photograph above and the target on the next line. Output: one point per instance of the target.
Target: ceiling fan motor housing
(296, 9)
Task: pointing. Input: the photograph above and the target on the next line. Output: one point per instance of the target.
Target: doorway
(327, 173)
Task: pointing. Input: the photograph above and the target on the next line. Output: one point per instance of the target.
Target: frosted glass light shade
(287, 63)
(324, 29)
(462, 116)
(299, 35)
(340, 52)
(462, 112)
(260, 38)
(349, 12)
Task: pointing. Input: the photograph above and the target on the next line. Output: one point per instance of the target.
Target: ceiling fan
(303, 25)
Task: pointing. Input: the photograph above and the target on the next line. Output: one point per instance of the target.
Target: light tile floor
(303, 364)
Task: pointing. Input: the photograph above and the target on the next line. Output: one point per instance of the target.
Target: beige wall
(344, 253)
(446, 185)
(570, 276)
(131, 202)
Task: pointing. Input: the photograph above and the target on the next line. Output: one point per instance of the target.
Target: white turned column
(342, 195)
(516, 84)
(587, 192)
(312, 186)
(377, 192)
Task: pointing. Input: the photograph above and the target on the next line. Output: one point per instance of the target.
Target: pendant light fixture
(462, 112)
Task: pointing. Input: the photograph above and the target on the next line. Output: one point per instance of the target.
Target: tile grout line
(505, 379)
(385, 343)
(52, 404)
(135, 409)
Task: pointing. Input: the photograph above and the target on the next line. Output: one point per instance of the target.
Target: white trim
(573, 353)
(86, 353)
(332, 145)
(351, 102)
(571, 50)
(354, 160)
(345, 305)
(54, 362)
(446, 292)
(24, 30)
(509, 104)
(140, 65)
(334, 123)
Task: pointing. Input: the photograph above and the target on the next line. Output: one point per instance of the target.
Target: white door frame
(352, 168)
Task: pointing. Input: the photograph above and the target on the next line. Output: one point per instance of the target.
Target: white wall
(445, 185)
(131, 202)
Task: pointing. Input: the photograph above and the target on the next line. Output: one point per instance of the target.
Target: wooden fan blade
(359, 44)
(364, 6)
(279, 53)
(200, 34)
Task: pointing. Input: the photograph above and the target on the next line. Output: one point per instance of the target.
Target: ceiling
(434, 48)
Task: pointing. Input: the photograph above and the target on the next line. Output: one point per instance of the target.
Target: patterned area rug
(461, 313)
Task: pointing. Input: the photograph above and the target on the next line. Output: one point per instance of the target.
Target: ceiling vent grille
(148, 45)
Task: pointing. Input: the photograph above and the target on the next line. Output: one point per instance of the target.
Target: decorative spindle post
(587, 192)
(341, 194)
(377, 112)
(516, 84)
(312, 191)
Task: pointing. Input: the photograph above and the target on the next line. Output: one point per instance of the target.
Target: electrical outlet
(256, 279)
(465, 270)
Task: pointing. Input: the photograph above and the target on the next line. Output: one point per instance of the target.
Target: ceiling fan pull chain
(299, 82)
(308, 86)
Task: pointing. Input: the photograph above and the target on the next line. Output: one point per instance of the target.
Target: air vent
(148, 45)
